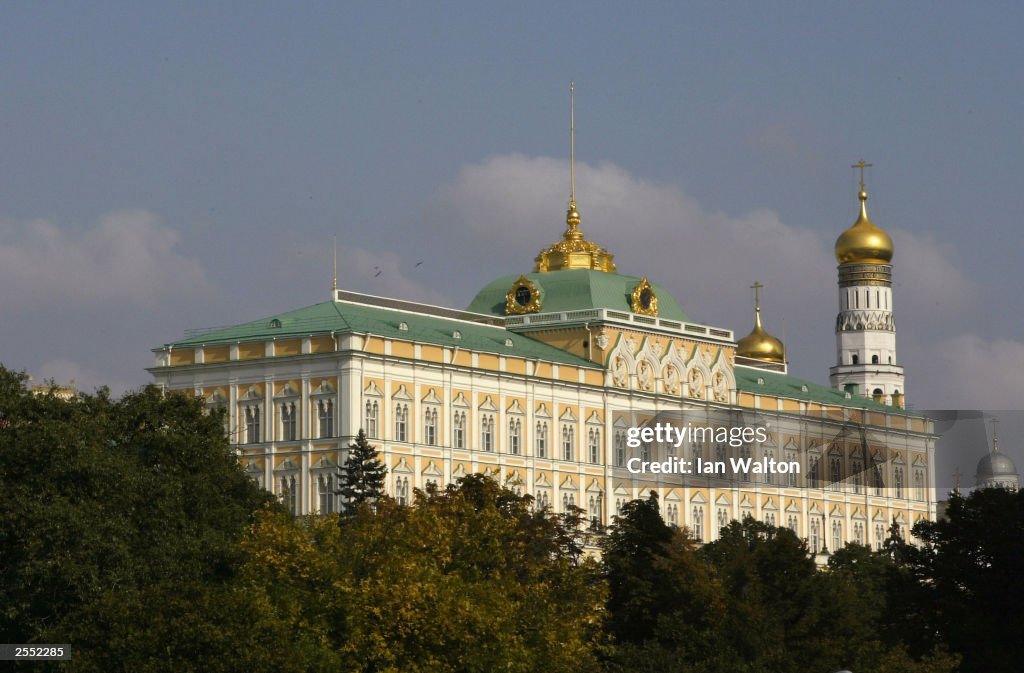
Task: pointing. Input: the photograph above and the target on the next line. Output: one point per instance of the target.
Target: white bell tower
(866, 363)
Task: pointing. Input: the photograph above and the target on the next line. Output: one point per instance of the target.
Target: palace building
(539, 380)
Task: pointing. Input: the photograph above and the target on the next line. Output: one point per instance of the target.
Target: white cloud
(514, 205)
(127, 257)
(970, 372)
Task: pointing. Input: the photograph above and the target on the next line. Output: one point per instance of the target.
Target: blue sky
(178, 167)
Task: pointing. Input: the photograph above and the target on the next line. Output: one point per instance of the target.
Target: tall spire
(573, 251)
(995, 434)
(334, 282)
(572, 216)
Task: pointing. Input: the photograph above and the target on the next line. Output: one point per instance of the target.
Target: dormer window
(275, 324)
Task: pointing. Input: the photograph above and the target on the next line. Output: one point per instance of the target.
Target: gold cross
(861, 165)
(995, 433)
(756, 287)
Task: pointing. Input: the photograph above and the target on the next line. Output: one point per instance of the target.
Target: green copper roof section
(783, 385)
(345, 317)
(574, 290)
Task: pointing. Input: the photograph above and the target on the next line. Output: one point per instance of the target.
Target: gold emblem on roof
(522, 297)
(643, 300)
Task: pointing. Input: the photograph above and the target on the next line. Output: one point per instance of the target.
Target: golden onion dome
(759, 345)
(864, 243)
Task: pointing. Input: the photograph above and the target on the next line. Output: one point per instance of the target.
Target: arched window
(791, 523)
(879, 483)
(430, 426)
(288, 423)
(897, 481)
(487, 432)
(542, 439)
(459, 429)
(620, 447)
(593, 446)
(874, 359)
(325, 413)
(402, 490)
(854, 358)
(289, 494)
(813, 477)
(567, 442)
(252, 424)
(325, 493)
(515, 428)
(723, 520)
(697, 523)
(837, 535)
(879, 536)
(815, 541)
(372, 414)
(919, 484)
(835, 472)
(857, 467)
(401, 422)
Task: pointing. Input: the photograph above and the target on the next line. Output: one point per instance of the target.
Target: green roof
(346, 317)
(574, 290)
(783, 385)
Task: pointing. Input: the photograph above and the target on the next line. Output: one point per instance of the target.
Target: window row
(515, 443)
(286, 421)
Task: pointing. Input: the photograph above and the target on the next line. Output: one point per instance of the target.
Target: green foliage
(361, 478)
(104, 497)
(971, 565)
(466, 579)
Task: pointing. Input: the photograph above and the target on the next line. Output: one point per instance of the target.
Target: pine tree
(361, 478)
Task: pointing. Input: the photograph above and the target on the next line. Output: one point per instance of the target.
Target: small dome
(995, 464)
(759, 345)
(864, 243)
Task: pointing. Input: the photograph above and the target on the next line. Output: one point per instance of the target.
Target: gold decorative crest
(522, 297)
(644, 301)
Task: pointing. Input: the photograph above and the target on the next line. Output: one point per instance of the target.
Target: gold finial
(756, 287)
(956, 480)
(334, 282)
(995, 434)
(862, 165)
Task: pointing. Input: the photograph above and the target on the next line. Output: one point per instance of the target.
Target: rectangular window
(542, 439)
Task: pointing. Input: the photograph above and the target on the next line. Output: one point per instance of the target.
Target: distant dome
(996, 464)
(864, 243)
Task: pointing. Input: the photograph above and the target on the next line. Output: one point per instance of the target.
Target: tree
(107, 498)
(361, 478)
(467, 579)
(971, 572)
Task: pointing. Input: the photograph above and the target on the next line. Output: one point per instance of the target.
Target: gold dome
(759, 345)
(864, 243)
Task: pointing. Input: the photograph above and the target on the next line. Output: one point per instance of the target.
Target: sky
(186, 166)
